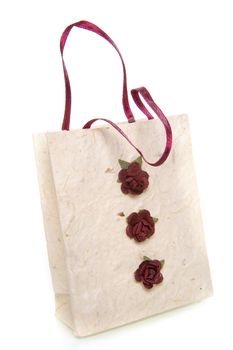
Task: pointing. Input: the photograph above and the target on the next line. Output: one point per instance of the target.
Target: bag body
(92, 259)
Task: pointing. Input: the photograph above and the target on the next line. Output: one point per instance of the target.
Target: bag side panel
(55, 244)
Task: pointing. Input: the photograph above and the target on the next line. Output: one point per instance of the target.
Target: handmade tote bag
(121, 214)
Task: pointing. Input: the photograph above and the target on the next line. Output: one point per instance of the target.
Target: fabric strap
(136, 93)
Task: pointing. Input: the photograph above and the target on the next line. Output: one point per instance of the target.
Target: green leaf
(162, 262)
(155, 220)
(146, 258)
(138, 160)
(123, 164)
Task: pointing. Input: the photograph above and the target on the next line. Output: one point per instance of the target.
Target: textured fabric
(92, 260)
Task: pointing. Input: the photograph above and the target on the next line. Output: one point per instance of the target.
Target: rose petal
(156, 263)
(133, 218)
(138, 189)
(144, 180)
(137, 228)
(145, 223)
(159, 279)
(150, 275)
(140, 237)
(122, 175)
(152, 231)
(124, 189)
(137, 276)
(145, 183)
(144, 174)
(146, 230)
(150, 220)
(147, 285)
(128, 179)
(143, 265)
(147, 273)
(133, 183)
(135, 192)
(144, 214)
(129, 231)
(134, 168)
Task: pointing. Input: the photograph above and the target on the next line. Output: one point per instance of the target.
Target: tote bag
(124, 234)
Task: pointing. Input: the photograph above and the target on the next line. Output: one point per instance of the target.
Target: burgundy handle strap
(135, 94)
(93, 28)
(147, 97)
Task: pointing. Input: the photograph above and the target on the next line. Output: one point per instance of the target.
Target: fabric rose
(149, 273)
(133, 179)
(141, 225)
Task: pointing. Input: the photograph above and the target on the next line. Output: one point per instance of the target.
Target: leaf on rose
(123, 164)
(146, 258)
(138, 160)
(121, 213)
(162, 262)
(155, 220)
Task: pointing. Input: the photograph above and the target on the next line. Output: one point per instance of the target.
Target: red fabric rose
(140, 225)
(133, 179)
(149, 273)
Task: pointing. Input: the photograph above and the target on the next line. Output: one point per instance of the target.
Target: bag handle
(135, 94)
(93, 28)
(145, 94)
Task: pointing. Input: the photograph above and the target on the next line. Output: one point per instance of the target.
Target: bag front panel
(100, 257)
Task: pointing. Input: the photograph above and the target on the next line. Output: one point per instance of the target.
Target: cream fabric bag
(92, 259)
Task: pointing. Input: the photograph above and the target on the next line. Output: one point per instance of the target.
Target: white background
(182, 52)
